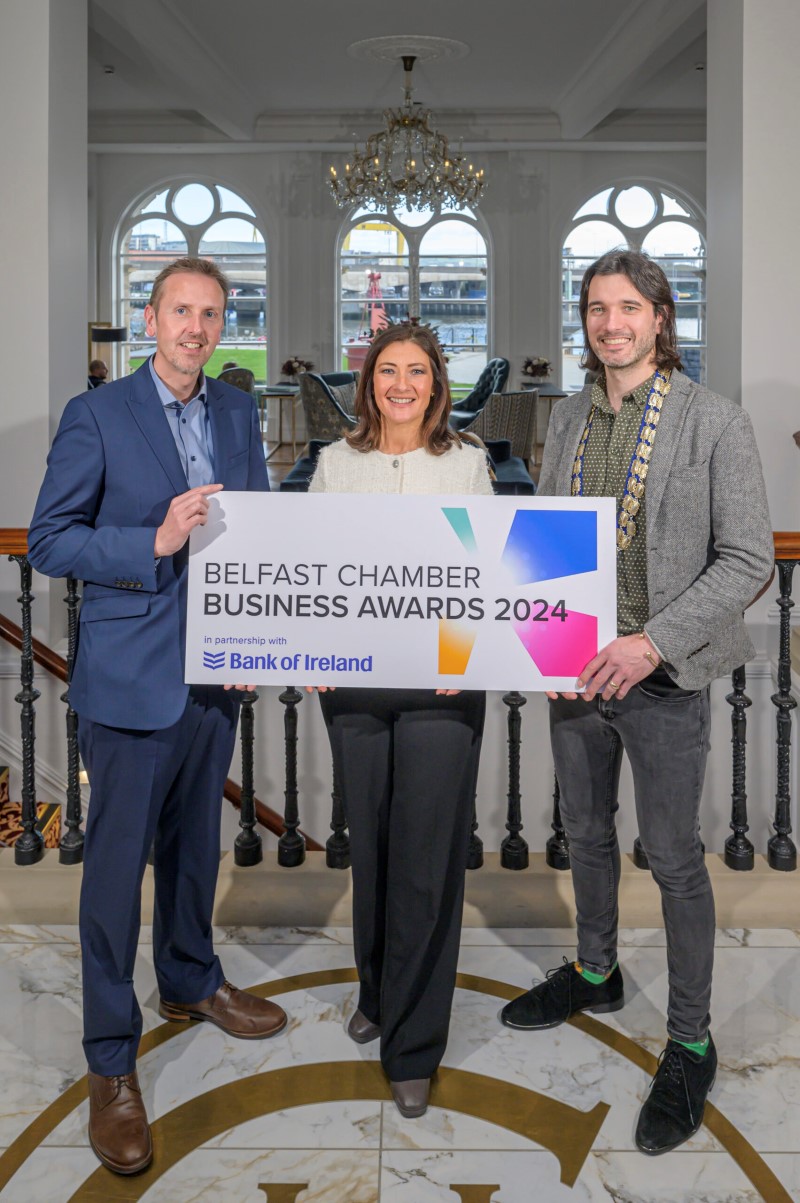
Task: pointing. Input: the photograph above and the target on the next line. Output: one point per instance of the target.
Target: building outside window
(195, 219)
(397, 263)
(641, 218)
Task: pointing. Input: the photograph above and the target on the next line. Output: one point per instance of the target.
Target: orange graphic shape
(456, 641)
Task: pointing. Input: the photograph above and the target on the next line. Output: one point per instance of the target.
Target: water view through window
(434, 267)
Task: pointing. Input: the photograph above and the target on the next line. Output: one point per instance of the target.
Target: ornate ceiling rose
(395, 46)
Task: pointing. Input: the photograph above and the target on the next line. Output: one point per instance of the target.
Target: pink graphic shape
(560, 649)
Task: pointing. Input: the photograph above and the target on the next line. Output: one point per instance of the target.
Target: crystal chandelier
(408, 164)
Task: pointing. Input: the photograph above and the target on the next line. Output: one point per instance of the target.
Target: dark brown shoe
(235, 1011)
(118, 1129)
(411, 1097)
(361, 1029)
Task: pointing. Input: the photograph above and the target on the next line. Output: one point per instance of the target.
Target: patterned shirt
(606, 460)
(190, 426)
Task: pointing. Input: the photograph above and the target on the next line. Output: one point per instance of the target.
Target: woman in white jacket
(407, 759)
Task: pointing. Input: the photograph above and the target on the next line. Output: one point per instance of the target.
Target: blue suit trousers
(159, 789)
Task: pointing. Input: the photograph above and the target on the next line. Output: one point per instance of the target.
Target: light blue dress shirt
(190, 425)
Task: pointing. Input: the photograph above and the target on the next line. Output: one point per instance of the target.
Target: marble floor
(306, 1117)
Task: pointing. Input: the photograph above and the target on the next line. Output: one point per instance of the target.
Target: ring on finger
(613, 685)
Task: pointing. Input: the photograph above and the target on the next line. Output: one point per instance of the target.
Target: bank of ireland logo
(542, 545)
(213, 660)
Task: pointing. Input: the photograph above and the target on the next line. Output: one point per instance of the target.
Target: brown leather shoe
(361, 1029)
(118, 1129)
(235, 1011)
(411, 1097)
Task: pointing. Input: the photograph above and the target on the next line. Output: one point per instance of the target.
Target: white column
(753, 247)
(43, 205)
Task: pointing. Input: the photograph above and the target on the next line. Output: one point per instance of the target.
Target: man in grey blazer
(694, 548)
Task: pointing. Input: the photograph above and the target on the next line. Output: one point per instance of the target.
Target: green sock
(594, 979)
(699, 1046)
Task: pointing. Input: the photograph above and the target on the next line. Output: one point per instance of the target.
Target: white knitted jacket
(342, 469)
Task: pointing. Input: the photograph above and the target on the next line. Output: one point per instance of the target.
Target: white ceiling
(241, 69)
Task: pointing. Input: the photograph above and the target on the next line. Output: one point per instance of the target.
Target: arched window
(195, 219)
(424, 264)
(647, 219)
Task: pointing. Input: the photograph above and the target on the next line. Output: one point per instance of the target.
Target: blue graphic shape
(213, 660)
(545, 544)
(459, 520)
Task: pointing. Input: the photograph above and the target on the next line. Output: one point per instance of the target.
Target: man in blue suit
(129, 476)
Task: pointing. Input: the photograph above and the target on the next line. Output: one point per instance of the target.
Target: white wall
(43, 202)
(43, 309)
(753, 180)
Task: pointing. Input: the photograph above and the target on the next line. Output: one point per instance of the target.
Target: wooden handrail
(44, 656)
(49, 660)
(13, 541)
(787, 544)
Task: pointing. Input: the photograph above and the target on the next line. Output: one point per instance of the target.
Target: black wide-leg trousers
(407, 761)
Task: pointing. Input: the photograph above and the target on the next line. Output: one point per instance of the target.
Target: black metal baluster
(291, 845)
(475, 852)
(557, 847)
(781, 850)
(514, 849)
(30, 845)
(337, 847)
(70, 850)
(247, 847)
(739, 852)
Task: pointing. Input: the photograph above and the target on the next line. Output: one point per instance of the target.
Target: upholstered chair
(491, 380)
(509, 416)
(241, 378)
(326, 416)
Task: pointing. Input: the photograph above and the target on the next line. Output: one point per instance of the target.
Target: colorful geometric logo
(459, 520)
(542, 545)
(545, 544)
(456, 640)
(559, 648)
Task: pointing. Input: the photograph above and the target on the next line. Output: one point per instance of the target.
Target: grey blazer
(709, 537)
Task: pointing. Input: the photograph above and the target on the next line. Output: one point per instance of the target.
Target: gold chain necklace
(640, 460)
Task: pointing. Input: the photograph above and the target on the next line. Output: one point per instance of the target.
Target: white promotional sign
(400, 591)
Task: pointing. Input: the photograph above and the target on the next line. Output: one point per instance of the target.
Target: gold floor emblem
(566, 1131)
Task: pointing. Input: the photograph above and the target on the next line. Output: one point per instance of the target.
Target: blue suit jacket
(112, 471)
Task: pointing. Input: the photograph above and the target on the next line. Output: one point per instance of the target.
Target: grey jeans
(664, 732)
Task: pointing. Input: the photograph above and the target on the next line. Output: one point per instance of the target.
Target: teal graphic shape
(545, 544)
(459, 520)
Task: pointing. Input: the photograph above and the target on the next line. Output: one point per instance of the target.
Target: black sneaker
(674, 1108)
(563, 992)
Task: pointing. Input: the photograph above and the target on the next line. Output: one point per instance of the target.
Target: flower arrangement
(536, 366)
(295, 366)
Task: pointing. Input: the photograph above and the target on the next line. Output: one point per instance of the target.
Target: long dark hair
(437, 436)
(648, 279)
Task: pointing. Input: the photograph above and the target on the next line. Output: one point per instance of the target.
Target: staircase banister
(787, 544)
(56, 665)
(13, 541)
